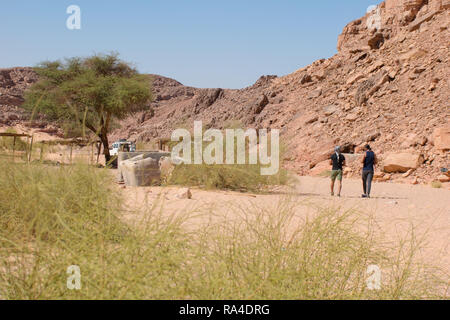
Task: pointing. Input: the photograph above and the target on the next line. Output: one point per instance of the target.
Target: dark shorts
(336, 174)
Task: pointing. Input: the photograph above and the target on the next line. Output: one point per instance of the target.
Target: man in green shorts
(337, 160)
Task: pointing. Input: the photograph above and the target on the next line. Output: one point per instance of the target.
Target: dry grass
(232, 177)
(51, 218)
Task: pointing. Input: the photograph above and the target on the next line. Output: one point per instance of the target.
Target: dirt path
(396, 207)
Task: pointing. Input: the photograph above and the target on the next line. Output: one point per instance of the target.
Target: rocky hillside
(13, 83)
(387, 85)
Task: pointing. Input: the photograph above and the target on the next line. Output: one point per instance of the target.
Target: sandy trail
(395, 207)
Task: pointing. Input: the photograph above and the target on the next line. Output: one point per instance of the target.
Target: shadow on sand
(321, 195)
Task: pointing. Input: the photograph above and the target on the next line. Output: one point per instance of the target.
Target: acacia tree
(89, 92)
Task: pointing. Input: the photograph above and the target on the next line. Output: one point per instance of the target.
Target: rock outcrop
(402, 162)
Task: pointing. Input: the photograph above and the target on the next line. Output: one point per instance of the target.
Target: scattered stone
(351, 117)
(329, 110)
(372, 136)
(315, 93)
(354, 78)
(408, 173)
(305, 79)
(311, 119)
(444, 178)
(184, 193)
(378, 175)
(419, 70)
(377, 65)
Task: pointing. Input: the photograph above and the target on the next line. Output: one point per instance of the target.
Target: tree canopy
(89, 92)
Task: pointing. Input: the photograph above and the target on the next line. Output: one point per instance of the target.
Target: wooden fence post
(41, 157)
(14, 149)
(91, 160)
(99, 148)
(71, 150)
(31, 148)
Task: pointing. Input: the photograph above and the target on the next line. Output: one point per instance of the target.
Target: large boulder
(402, 162)
(140, 168)
(441, 137)
(139, 173)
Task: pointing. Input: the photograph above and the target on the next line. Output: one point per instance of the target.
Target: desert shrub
(232, 177)
(436, 184)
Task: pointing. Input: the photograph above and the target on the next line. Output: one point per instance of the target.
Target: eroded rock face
(386, 21)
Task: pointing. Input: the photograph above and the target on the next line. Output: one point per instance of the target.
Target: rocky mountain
(387, 86)
(13, 83)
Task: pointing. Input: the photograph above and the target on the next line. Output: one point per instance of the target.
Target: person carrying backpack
(369, 162)
(337, 160)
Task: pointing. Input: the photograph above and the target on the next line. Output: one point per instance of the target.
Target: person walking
(337, 161)
(369, 162)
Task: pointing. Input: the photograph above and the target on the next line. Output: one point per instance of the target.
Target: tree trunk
(104, 140)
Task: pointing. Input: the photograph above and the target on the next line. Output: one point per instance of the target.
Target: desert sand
(396, 208)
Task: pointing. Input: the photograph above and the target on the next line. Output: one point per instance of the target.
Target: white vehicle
(123, 146)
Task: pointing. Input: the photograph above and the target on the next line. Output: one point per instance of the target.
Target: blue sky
(202, 43)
